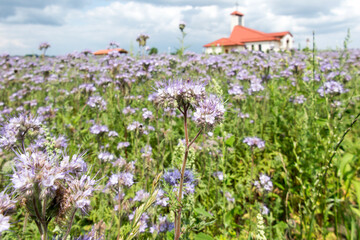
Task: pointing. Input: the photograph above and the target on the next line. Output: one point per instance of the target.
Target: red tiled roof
(279, 34)
(237, 13)
(106, 51)
(223, 42)
(240, 35)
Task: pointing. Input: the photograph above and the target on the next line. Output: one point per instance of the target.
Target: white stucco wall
(287, 42)
(219, 50)
(236, 20)
(265, 45)
(213, 50)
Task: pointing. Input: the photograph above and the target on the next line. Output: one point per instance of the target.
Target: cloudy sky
(75, 25)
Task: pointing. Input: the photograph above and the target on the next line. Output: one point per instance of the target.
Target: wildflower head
(331, 88)
(182, 26)
(79, 192)
(113, 45)
(4, 223)
(17, 128)
(44, 46)
(254, 142)
(264, 184)
(172, 178)
(209, 112)
(7, 204)
(142, 38)
(179, 93)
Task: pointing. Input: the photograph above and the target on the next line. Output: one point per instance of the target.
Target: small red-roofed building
(106, 51)
(242, 38)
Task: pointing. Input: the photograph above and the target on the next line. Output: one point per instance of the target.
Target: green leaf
(357, 189)
(344, 164)
(230, 141)
(356, 211)
(229, 218)
(321, 121)
(202, 236)
(203, 212)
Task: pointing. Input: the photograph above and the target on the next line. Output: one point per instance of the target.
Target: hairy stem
(70, 224)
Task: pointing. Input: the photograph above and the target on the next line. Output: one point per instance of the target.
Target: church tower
(237, 18)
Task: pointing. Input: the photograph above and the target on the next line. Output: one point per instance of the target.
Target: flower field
(247, 145)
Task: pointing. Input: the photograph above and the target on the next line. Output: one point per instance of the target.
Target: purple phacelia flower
(298, 99)
(254, 142)
(141, 196)
(16, 128)
(123, 178)
(44, 46)
(264, 183)
(331, 88)
(106, 156)
(180, 92)
(264, 210)
(209, 112)
(97, 102)
(237, 91)
(229, 197)
(4, 223)
(97, 129)
(80, 192)
(147, 114)
(162, 199)
(123, 145)
(172, 177)
(7, 204)
(219, 175)
(128, 110)
(255, 86)
(113, 134)
(134, 126)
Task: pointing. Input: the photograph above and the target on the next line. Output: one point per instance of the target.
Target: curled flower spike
(180, 92)
(15, 130)
(209, 112)
(80, 191)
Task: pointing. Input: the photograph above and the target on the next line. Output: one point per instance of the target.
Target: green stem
(70, 224)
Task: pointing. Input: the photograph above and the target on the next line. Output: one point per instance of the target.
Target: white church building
(242, 38)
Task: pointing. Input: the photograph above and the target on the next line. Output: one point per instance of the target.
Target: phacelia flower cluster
(123, 178)
(180, 92)
(298, 99)
(172, 177)
(331, 88)
(264, 183)
(13, 132)
(44, 45)
(141, 39)
(97, 102)
(209, 112)
(97, 129)
(254, 142)
(79, 193)
(40, 170)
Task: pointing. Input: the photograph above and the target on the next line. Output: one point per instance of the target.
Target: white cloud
(94, 27)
